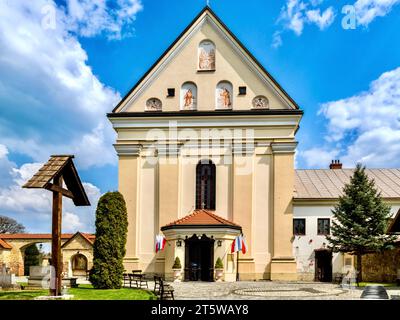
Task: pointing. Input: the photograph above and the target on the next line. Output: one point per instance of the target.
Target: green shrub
(177, 264)
(31, 258)
(109, 245)
(219, 264)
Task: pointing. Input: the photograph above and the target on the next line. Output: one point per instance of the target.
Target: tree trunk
(359, 268)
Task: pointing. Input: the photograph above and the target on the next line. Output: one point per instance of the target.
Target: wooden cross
(52, 176)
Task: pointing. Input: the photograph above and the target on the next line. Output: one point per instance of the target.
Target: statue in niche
(188, 99)
(225, 98)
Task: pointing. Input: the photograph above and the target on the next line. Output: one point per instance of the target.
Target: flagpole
(237, 267)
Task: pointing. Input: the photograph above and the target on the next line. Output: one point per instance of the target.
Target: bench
(138, 278)
(126, 280)
(162, 290)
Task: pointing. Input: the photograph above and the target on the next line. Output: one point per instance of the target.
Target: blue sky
(64, 64)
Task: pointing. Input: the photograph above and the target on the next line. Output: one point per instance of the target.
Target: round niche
(153, 104)
(260, 102)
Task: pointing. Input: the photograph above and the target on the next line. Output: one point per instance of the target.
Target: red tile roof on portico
(4, 244)
(202, 218)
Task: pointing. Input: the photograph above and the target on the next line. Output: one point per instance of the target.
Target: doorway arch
(199, 258)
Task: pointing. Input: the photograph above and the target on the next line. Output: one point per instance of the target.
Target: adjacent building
(316, 193)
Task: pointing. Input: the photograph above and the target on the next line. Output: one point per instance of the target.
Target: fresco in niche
(224, 95)
(260, 102)
(188, 96)
(206, 55)
(153, 104)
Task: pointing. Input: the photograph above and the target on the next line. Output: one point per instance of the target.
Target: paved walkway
(266, 290)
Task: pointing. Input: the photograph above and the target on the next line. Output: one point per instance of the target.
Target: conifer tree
(361, 220)
(109, 245)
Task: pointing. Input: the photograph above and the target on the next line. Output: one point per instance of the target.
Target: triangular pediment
(203, 63)
(81, 238)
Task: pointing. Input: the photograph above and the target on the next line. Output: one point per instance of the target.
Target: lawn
(83, 292)
(364, 284)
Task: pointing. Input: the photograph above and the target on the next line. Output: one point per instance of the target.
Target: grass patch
(83, 292)
(21, 295)
(364, 284)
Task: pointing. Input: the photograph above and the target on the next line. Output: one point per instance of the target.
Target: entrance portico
(199, 239)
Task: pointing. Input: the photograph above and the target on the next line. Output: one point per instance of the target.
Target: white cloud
(297, 13)
(6, 167)
(366, 126)
(47, 89)
(323, 20)
(71, 222)
(318, 157)
(3, 151)
(368, 10)
(276, 40)
(32, 207)
(89, 18)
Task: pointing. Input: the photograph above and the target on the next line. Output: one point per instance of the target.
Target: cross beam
(60, 189)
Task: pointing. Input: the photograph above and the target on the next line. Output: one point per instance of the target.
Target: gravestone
(6, 279)
(39, 277)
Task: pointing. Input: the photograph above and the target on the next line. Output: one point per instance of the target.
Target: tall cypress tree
(360, 220)
(109, 245)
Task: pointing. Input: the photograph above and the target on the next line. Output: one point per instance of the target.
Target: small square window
(242, 91)
(324, 226)
(171, 92)
(299, 227)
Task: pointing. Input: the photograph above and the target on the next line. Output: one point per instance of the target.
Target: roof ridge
(196, 212)
(217, 217)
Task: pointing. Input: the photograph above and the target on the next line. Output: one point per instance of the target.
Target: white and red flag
(239, 245)
(160, 243)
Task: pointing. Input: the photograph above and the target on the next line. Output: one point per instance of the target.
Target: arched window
(205, 185)
(206, 53)
(189, 96)
(224, 95)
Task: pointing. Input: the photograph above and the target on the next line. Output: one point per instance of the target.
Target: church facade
(206, 143)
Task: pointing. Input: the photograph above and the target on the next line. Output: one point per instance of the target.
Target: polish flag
(239, 245)
(160, 243)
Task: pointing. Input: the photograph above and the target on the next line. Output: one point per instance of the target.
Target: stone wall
(381, 267)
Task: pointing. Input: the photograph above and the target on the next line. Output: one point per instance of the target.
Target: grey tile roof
(328, 184)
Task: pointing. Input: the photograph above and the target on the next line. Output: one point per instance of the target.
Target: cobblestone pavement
(265, 290)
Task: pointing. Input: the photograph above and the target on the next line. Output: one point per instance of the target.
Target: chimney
(336, 164)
